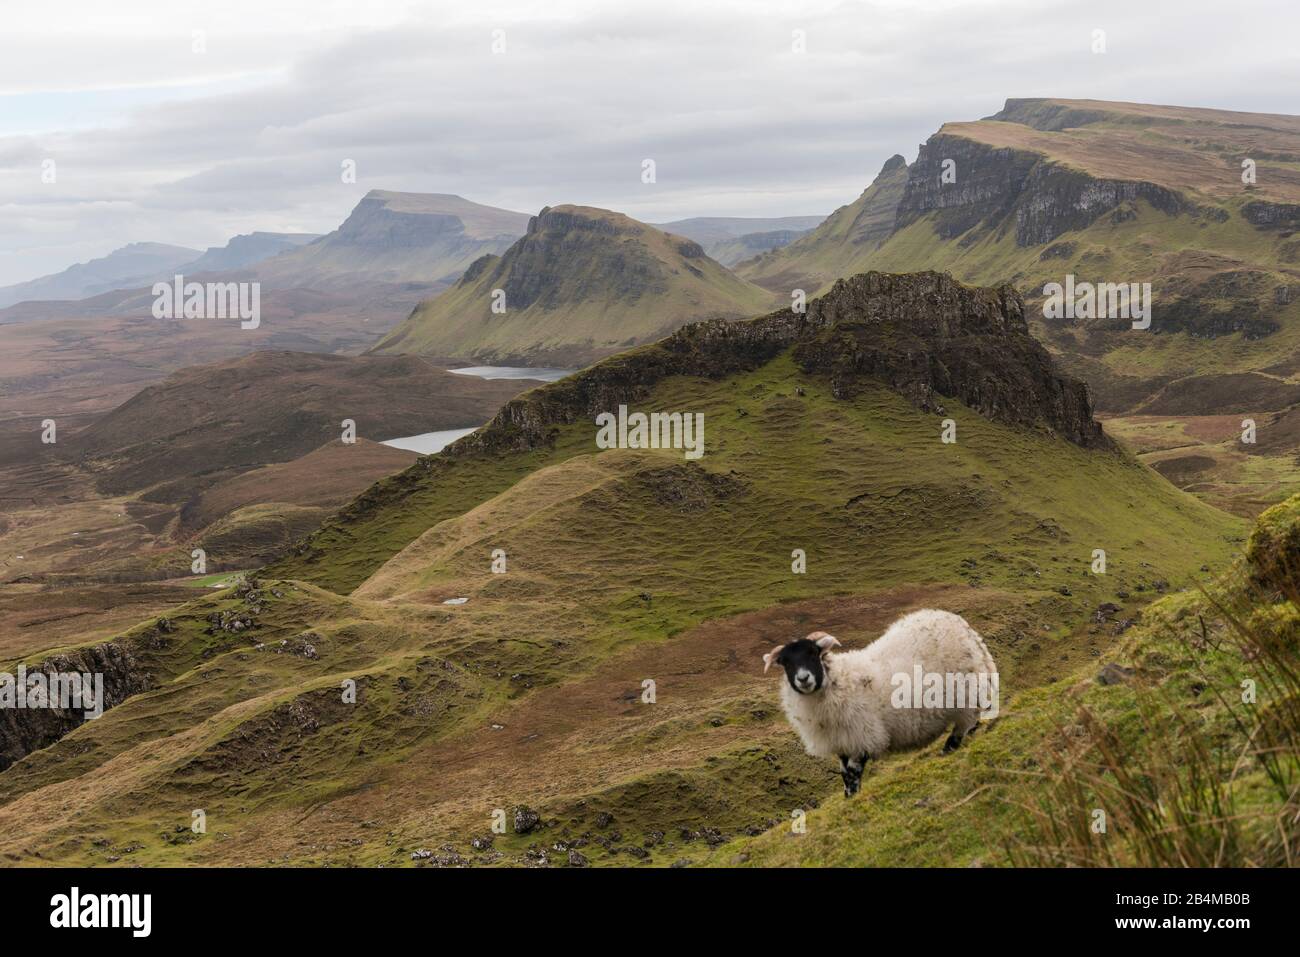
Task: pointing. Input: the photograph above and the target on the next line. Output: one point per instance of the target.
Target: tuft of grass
(1204, 771)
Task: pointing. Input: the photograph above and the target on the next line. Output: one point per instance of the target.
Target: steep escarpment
(581, 284)
(1199, 204)
(1016, 189)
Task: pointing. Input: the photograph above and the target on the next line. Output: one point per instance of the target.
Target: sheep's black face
(802, 661)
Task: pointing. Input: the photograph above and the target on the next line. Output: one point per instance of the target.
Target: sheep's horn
(823, 640)
(770, 657)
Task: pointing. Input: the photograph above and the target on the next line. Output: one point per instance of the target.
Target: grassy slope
(692, 598)
(977, 806)
(841, 246)
(602, 294)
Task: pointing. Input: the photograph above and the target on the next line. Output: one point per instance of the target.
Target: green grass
(982, 804)
(610, 554)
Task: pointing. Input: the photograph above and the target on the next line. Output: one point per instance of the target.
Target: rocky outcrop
(24, 730)
(875, 219)
(1272, 215)
(539, 268)
(925, 335)
(581, 284)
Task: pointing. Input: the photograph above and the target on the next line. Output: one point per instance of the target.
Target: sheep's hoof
(952, 744)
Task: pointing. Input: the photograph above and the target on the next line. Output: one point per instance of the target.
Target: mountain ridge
(580, 284)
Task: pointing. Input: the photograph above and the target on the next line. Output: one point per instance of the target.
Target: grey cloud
(736, 123)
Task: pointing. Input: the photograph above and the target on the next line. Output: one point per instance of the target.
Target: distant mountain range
(1202, 204)
(398, 238)
(128, 266)
(144, 263)
(389, 238)
(730, 239)
(247, 250)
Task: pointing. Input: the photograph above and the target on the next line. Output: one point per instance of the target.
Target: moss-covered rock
(1273, 550)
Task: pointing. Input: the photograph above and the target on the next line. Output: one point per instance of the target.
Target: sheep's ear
(770, 657)
(823, 640)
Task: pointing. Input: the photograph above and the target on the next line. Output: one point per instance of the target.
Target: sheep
(928, 671)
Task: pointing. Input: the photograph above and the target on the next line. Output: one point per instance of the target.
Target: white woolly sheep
(929, 671)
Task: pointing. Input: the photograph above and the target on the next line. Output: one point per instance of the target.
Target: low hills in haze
(240, 457)
(730, 239)
(582, 283)
(246, 250)
(339, 293)
(132, 264)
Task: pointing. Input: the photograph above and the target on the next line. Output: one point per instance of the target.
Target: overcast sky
(162, 133)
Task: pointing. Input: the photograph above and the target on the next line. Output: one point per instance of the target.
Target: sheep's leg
(851, 771)
(962, 729)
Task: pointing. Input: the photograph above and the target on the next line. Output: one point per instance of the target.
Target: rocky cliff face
(373, 223)
(25, 730)
(1005, 188)
(539, 268)
(925, 335)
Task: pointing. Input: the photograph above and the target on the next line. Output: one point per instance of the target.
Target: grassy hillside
(623, 565)
(1187, 740)
(841, 246)
(582, 284)
(1108, 192)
